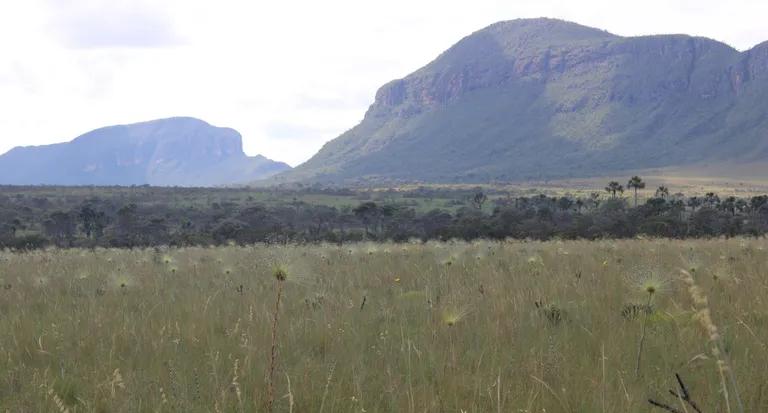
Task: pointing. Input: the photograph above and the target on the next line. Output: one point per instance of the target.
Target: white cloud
(112, 24)
(288, 75)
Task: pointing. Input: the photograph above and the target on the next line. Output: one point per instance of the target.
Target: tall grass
(474, 327)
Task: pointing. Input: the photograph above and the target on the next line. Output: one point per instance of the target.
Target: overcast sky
(289, 75)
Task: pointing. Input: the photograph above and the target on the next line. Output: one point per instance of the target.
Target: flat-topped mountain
(543, 98)
(166, 152)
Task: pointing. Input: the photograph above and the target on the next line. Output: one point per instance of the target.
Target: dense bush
(131, 217)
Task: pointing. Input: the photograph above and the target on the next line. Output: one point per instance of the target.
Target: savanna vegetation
(36, 217)
(558, 326)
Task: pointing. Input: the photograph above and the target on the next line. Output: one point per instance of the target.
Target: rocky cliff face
(754, 64)
(502, 61)
(176, 151)
(539, 98)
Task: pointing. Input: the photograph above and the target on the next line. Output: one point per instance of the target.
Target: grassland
(481, 327)
(676, 181)
(449, 199)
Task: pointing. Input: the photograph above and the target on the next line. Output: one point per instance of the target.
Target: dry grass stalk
(703, 314)
(280, 276)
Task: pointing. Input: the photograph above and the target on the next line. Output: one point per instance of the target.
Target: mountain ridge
(546, 98)
(178, 151)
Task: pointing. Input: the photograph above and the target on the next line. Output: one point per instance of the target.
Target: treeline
(151, 218)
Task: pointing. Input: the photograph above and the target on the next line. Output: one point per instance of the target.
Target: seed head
(650, 282)
(280, 273)
(453, 315)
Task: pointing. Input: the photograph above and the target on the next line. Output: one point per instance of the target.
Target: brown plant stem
(642, 337)
(273, 352)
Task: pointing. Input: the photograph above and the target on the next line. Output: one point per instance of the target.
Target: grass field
(481, 327)
(451, 199)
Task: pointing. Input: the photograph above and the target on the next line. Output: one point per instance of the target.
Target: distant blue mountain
(167, 152)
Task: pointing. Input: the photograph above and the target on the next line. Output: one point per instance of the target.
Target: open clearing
(458, 327)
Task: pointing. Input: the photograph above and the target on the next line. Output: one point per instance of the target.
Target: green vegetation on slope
(541, 98)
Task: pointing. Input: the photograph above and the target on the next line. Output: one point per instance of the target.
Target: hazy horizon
(288, 77)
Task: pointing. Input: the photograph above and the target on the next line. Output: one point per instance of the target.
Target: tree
(564, 203)
(579, 204)
(7, 231)
(594, 198)
(435, 223)
(369, 214)
(662, 192)
(479, 199)
(711, 199)
(155, 231)
(127, 224)
(635, 183)
(614, 187)
(228, 230)
(694, 202)
(757, 202)
(61, 227)
(741, 205)
(729, 204)
(93, 222)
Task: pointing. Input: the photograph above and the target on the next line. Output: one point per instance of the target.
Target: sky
(289, 75)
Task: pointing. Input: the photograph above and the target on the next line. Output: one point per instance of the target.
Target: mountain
(165, 152)
(543, 98)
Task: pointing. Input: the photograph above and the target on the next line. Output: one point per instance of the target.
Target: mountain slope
(166, 152)
(543, 98)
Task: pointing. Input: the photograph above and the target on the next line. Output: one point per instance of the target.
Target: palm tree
(757, 202)
(636, 183)
(579, 204)
(614, 187)
(662, 192)
(742, 205)
(594, 199)
(694, 202)
(711, 199)
(729, 204)
(479, 199)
